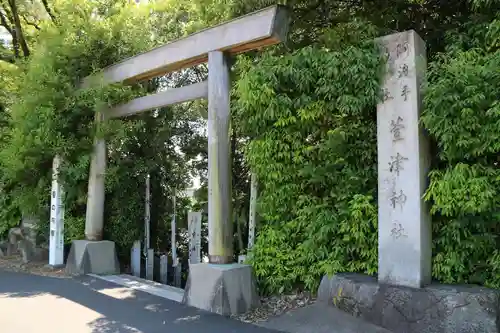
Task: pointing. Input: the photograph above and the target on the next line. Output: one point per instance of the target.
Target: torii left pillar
(94, 255)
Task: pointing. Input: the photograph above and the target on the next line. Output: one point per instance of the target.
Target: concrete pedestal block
(222, 289)
(433, 309)
(96, 257)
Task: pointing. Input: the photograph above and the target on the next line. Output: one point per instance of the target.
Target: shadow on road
(122, 310)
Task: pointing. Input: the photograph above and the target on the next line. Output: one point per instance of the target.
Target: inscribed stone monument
(56, 237)
(404, 225)
(252, 219)
(194, 229)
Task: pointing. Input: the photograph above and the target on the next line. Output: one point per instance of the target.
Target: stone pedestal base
(433, 309)
(96, 257)
(222, 289)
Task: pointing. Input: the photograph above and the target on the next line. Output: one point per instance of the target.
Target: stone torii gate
(214, 45)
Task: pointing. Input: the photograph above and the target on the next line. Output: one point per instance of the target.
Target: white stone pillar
(194, 228)
(252, 216)
(220, 225)
(173, 230)
(94, 218)
(56, 237)
(147, 215)
(404, 223)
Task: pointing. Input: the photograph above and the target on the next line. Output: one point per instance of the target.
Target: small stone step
(320, 318)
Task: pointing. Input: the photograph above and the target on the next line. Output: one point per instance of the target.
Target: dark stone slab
(4, 245)
(223, 289)
(433, 309)
(320, 318)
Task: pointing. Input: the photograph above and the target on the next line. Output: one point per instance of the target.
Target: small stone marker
(252, 216)
(164, 269)
(178, 275)
(194, 229)
(150, 260)
(242, 258)
(135, 256)
(27, 243)
(14, 236)
(404, 224)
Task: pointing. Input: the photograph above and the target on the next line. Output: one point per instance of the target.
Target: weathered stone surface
(319, 318)
(403, 154)
(27, 250)
(15, 235)
(433, 309)
(222, 289)
(21, 240)
(135, 259)
(96, 257)
(194, 220)
(4, 245)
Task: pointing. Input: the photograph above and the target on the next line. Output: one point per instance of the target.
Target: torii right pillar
(404, 222)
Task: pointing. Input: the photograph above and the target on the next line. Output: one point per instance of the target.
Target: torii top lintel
(258, 29)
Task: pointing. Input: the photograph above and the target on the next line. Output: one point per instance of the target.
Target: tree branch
(18, 28)
(4, 23)
(49, 11)
(7, 58)
(7, 13)
(33, 24)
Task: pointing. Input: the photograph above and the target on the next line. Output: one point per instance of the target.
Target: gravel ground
(15, 264)
(274, 306)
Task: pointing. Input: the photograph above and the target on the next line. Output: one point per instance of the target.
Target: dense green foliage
(50, 114)
(312, 118)
(462, 113)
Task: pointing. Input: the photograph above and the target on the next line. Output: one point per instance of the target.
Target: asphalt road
(38, 304)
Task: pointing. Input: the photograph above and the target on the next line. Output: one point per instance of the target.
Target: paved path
(38, 304)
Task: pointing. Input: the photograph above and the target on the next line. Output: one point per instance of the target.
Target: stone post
(147, 224)
(27, 242)
(95, 201)
(164, 269)
(220, 225)
(194, 228)
(150, 261)
(404, 223)
(93, 255)
(56, 238)
(135, 259)
(252, 216)
(173, 230)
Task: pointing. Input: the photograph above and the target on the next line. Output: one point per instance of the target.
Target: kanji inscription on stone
(403, 164)
(194, 229)
(396, 129)
(396, 163)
